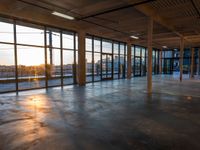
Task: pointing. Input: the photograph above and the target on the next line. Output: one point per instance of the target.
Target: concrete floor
(110, 115)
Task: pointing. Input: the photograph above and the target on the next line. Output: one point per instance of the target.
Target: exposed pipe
(117, 9)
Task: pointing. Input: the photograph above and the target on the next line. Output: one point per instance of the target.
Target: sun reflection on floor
(36, 107)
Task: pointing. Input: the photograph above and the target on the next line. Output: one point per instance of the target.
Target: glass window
(143, 52)
(76, 40)
(6, 32)
(89, 66)
(187, 53)
(132, 51)
(122, 49)
(97, 66)
(68, 41)
(122, 66)
(132, 59)
(97, 45)
(116, 48)
(53, 67)
(163, 54)
(31, 70)
(88, 44)
(106, 47)
(68, 65)
(168, 54)
(116, 66)
(53, 39)
(30, 46)
(29, 35)
(7, 68)
(137, 51)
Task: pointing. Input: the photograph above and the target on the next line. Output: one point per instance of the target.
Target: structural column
(129, 60)
(192, 64)
(181, 58)
(149, 46)
(81, 59)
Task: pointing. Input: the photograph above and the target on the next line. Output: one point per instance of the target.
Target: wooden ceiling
(117, 19)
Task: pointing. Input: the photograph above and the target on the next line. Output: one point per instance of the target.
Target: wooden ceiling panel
(177, 18)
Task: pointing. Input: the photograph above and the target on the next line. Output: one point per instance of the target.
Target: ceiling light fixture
(63, 15)
(164, 46)
(134, 37)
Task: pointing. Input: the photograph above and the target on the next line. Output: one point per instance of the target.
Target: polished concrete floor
(110, 115)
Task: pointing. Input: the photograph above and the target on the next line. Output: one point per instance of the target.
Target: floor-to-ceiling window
(30, 56)
(155, 61)
(196, 61)
(186, 61)
(167, 61)
(7, 56)
(97, 58)
(138, 60)
(89, 59)
(143, 61)
(132, 59)
(122, 62)
(106, 59)
(35, 56)
(54, 50)
(171, 59)
(116, 60)
(69, 57)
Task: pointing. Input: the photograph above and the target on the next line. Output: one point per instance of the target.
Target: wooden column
(181, 58)
(160, 62)
(128, 60)
(81, 58)
(149, 47)
(192, 63)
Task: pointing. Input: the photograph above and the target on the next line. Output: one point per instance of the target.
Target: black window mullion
(140, 61)
(74, 66)
(134, 58)
(124, 71)
(45, 55)
(61, 57)
(101, 57)
(155, 72)
(119, 66)
(106, 65)
(112, 69)
(145, 59)
(92, 58)
(16, 60)
(173, 61)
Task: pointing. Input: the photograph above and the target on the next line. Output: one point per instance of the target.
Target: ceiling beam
(150, 12)
(117, 9)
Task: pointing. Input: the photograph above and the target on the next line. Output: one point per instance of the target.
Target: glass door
(168, 66)
(107, 66)
(137, 71)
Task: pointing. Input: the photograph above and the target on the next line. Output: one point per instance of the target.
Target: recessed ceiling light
(134, 37)
(164, 46)
(63, 15)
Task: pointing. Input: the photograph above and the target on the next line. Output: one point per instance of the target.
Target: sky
(29, 55)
